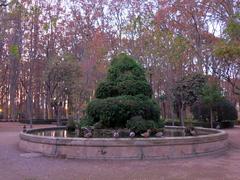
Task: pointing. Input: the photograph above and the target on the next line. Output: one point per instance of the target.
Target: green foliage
(127, 87)
(125, 77)
(230, 51)
(139, 125)
(188, 89)
(46, 26)
(200, 111)
(233, 29)
(64, 73)
(63, 79)
(124, 67)
(211, 94)
(223, 110)
(115, 111)
(227, 124)
(106, 89)
(14, 51)
(125, 93)
(86, 121)
(179, 46)
(71, 125)
(229, 48)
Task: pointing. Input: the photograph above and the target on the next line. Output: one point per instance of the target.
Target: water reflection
(65, 134)
(56, 133)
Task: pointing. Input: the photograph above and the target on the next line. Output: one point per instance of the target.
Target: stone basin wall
(126, 148)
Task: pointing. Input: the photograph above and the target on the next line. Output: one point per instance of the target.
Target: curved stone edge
(126, 148)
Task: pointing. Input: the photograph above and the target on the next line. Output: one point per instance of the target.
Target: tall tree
(186, 92)
(211, 95)
(15, 52)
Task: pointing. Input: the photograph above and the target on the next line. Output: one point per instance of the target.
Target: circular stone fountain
(210, 142)
(124, 100)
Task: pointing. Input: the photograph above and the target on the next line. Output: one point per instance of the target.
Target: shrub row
(223, 124)
(222, 110)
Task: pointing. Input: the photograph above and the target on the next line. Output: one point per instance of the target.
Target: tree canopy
(170, 40)
(187, 91)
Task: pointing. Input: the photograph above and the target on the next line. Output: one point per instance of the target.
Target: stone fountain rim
(77, 141)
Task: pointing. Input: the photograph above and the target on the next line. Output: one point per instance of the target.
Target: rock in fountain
(159, 134)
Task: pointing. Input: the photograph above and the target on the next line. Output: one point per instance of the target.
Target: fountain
(124, 101)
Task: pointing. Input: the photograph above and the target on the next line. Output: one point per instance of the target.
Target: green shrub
(200, 111)
(159, 124)
(71, 125)
(115, 111)
(86, 121)
(223, 111)
(140, 125)
(125, 93)
(106, 89)
(128, 87)
(124, 67)
(137, 87)
(227, 124)
(125, 77)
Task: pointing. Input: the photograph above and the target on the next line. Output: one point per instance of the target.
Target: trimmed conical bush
(123, 95)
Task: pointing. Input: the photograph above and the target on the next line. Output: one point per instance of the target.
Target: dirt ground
(14, 165)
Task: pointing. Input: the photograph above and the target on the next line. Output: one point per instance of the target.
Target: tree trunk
(58, 114)
(48, 105)
(164, 110)
(15, 56)
(29, 108)
(181, 115)
(211, 117)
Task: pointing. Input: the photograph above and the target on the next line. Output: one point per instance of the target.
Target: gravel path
(15, 165)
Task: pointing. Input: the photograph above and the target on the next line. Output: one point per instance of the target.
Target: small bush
(223, 111)
(227, 124)
(140, 125)
(200, 111)
(85, 122)
(71, 125)
(194, 124)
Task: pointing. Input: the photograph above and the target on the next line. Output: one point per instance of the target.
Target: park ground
(16, 165)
